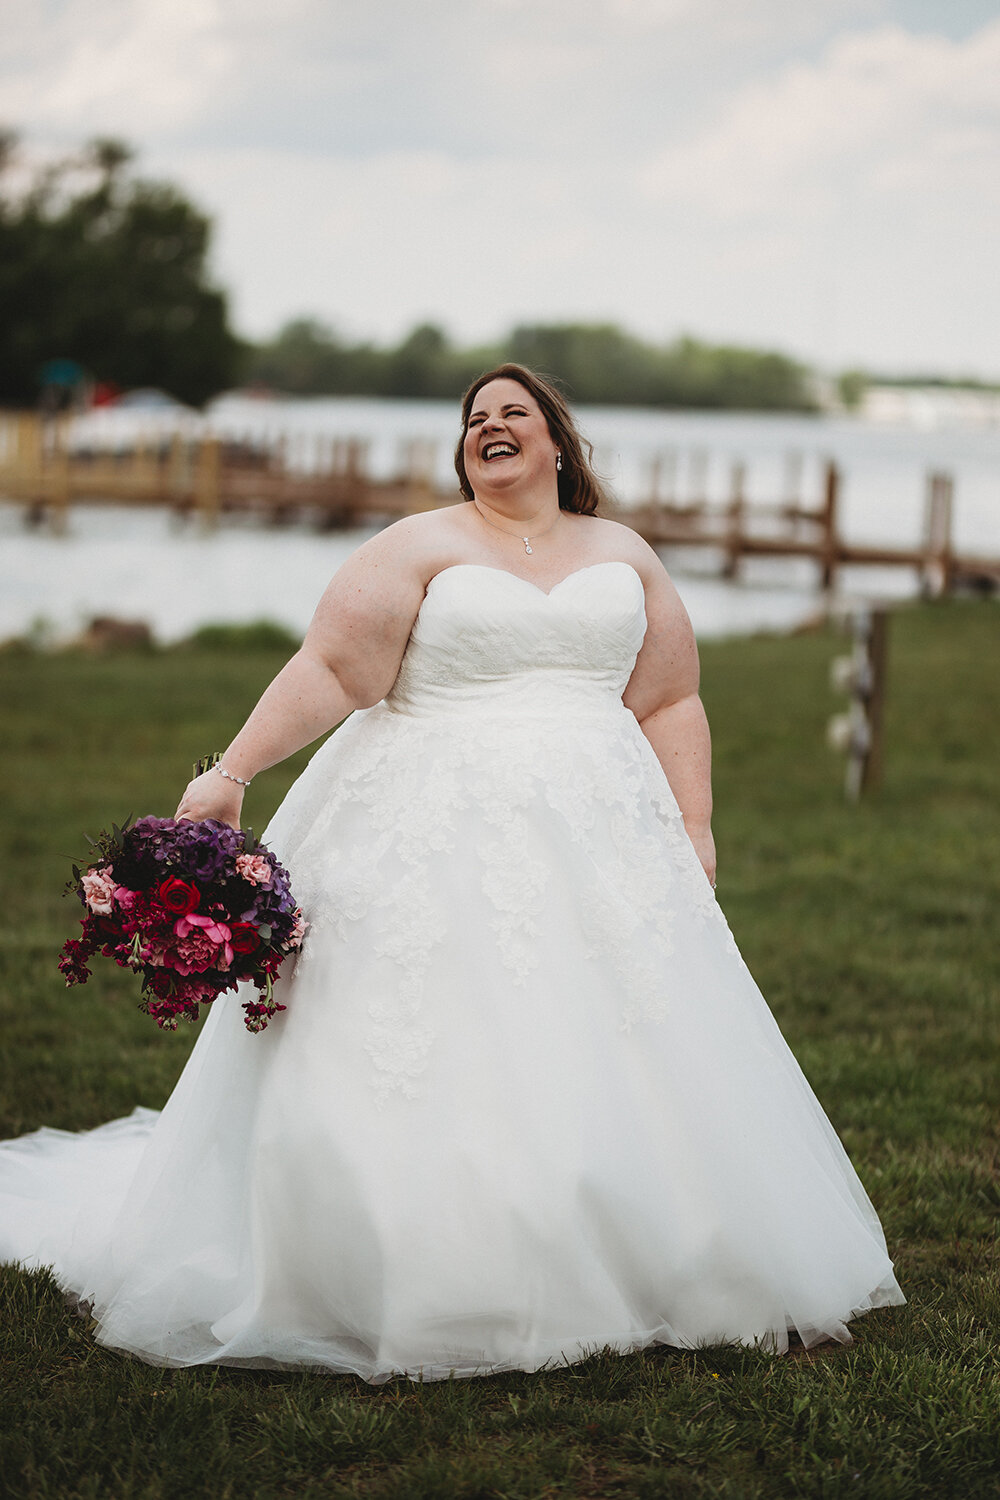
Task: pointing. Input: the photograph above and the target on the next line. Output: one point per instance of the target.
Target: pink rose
(255, 868)
(99, 890)
(125, 898)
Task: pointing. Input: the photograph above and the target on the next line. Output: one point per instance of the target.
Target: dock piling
(829, 554)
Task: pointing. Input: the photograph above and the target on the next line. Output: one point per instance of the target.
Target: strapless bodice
(487, 640)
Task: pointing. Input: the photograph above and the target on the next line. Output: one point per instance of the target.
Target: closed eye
(508, 411)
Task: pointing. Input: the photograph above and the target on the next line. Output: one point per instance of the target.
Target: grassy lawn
(873, 932)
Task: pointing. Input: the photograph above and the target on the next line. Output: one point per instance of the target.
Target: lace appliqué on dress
(515, 883)
(504, 765)
(399, 1041)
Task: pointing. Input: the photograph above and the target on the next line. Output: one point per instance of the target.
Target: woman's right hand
(211, 796)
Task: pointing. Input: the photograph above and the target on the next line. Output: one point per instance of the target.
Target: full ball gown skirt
(525, 1102)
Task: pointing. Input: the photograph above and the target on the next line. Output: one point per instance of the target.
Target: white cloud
(118, 65)
(363, 75)
(881, 107)
(805, 175)
(866, 184)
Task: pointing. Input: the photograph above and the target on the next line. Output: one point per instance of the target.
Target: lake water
(145, 565)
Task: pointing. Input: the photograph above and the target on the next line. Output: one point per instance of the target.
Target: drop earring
(558, 462)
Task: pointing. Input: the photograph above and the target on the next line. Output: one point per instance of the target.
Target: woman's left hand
(212, 796)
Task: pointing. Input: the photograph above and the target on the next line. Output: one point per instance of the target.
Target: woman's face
(507, 442)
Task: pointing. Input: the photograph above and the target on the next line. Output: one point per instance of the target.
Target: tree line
(103, 277)
(594, 362)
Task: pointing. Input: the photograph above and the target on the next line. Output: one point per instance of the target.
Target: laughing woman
(526, 1100)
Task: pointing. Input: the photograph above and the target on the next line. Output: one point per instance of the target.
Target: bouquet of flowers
(194, 908)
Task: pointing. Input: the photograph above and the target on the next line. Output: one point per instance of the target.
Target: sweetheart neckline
(610, 562)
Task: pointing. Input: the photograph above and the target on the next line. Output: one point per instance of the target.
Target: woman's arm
(349, 659)
(663, 694)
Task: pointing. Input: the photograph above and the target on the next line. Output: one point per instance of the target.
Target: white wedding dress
(526, 1100)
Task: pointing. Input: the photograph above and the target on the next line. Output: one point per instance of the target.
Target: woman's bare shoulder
(415, 545)
(620, 542)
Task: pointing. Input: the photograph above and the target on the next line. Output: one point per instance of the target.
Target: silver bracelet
(229, 777)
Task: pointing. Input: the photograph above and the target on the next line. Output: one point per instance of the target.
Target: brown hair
(579, 487)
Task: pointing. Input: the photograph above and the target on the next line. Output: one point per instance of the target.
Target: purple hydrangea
(149, 877)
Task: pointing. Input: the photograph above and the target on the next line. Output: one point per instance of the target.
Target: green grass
(872, 931)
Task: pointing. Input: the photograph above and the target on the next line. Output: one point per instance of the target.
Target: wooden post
(420, 475)
(830, 542)
(793, 477)
(938, 569)
(663, 477)
(206, 484)
(878, 634)
(699, 476)
(136, 480)
(59, 479)
(862, 675)
(735, 516)
(29, 455)
(653, 487)
(947, 550)
(176, 474)
(355, 476)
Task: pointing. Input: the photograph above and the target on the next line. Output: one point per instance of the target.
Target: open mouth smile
(499, 450)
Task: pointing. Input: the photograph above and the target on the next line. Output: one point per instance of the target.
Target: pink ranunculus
(99, 890)
(193, 932)
(255, 868)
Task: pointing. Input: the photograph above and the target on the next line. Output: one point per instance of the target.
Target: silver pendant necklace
(527, 540)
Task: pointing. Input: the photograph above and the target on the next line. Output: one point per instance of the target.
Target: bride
(525, 1101)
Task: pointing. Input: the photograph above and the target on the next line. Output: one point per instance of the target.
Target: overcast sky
(817, 175)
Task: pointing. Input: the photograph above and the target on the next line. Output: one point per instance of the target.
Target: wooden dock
(208, 477)
(739, 530)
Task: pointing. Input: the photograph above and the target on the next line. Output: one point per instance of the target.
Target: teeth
(499, 450)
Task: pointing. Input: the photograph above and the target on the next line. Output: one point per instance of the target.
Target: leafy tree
(723, 376)
(108, 270)
(851, 387)
(307, 358)
(595, 362)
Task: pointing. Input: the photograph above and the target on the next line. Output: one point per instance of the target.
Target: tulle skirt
(526, 1101)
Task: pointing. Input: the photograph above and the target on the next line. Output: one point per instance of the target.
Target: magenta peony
(198, 935)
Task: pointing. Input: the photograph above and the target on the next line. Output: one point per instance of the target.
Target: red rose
(178, 896)
(244, 937)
